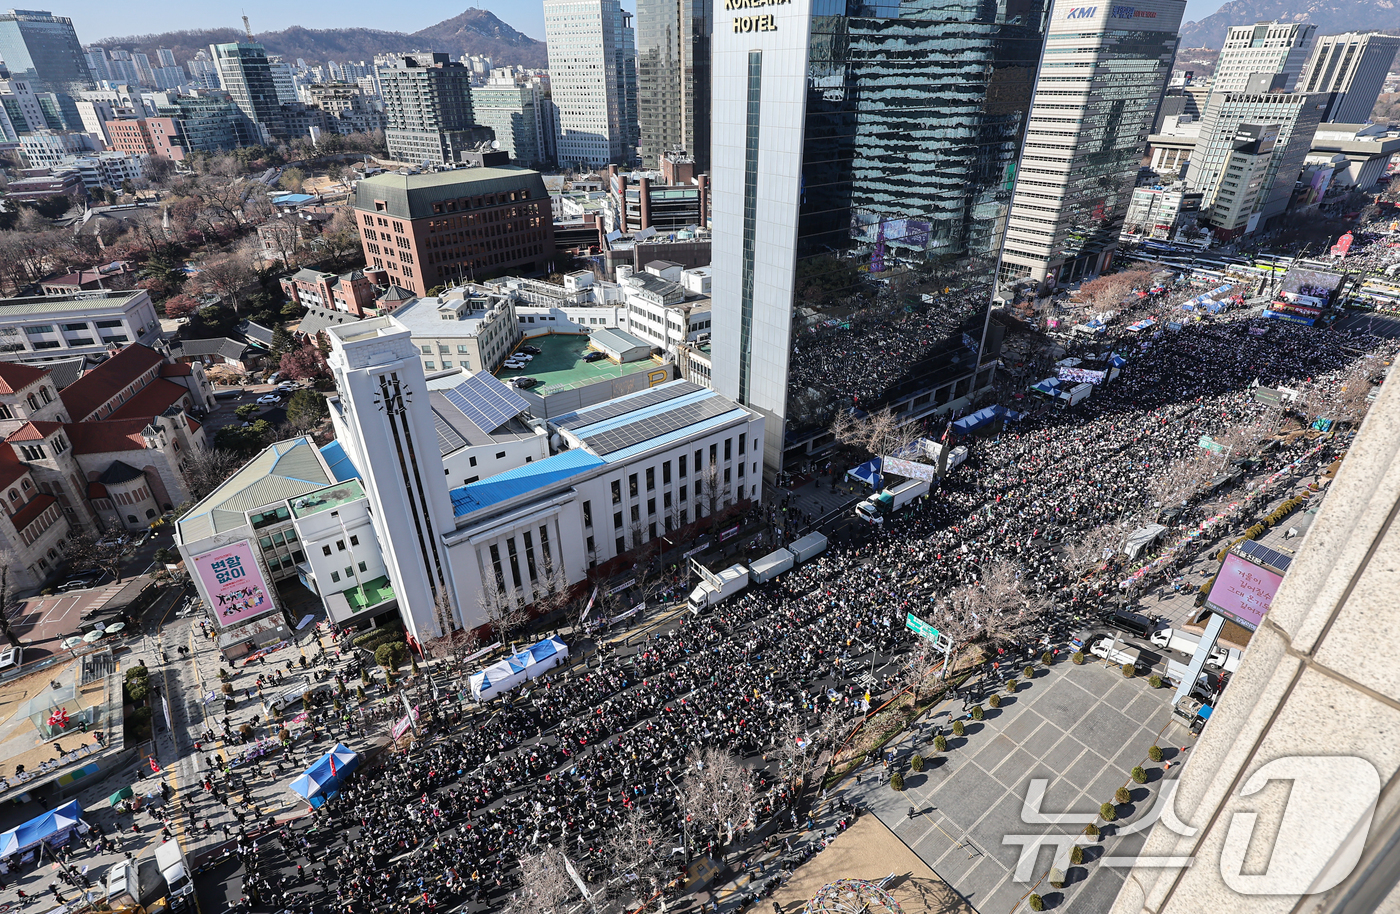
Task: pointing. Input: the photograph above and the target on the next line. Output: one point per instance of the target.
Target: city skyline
(96, 22)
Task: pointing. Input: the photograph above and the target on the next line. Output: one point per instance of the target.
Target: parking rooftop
(560, 364)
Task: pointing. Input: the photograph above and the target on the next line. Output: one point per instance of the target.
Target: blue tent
(54, 827)
(322, 780)
(986, 416)
(868, 473)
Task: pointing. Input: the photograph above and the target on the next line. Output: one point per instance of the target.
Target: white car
(287, 387)
(269, 400)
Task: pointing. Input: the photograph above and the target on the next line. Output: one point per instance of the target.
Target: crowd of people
(566, 764)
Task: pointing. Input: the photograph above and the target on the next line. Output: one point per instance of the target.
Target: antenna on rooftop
(247, 28)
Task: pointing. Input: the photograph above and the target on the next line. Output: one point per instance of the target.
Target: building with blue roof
(532, 477)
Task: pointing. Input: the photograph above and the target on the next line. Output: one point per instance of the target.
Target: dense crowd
(564, 764)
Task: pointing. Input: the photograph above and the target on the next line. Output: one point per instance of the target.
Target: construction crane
(247, 28)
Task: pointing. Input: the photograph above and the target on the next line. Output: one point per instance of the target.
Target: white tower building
(591, 57)
(384, 423)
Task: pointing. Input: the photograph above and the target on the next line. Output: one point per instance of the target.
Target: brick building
(427, 230)
(161, 137)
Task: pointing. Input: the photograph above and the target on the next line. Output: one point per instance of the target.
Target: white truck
(731, 580)
(1177, 671)
(171, 861)
(806, 547)
(1106, 649)
(883, 504)
(770, 566)
(1187, 642)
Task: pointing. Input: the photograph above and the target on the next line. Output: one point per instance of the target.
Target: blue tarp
(55, 824)
(317, 784)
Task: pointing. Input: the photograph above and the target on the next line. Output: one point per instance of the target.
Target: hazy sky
(96, 20)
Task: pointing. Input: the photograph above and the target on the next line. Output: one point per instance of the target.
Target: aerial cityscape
(896, 458)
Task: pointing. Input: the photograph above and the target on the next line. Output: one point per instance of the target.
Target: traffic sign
(1211, 445)
(920, 627)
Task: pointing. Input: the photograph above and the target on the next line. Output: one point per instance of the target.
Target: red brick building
(151, 136)
(435, 229)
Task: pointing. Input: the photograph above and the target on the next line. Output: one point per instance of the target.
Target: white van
(10, 660)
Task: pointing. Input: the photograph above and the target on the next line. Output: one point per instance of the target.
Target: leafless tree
(636, 858)
(921, 667)
(1181, 479)
(206, 470)
(8, 560)
(711, 491)
(1085, 553)
(547, 887)
(881, 433)
(501, 611)
(283, 238)
(718, 792)
(228, 278)
(1108, 292)
(86, 551)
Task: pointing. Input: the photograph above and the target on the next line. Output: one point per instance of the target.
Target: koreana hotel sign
(759, 23)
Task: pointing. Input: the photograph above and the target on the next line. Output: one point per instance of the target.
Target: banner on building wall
(234, 583)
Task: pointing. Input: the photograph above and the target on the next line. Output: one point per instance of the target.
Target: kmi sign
(1081, 12)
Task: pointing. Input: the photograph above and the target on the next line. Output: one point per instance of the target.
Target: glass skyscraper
(864, 156)
(673, 78)
(43, 49)
(1100, 85)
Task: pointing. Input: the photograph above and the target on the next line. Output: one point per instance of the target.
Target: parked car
(530, 350)
(594, 356)
(274, 377)
(1132, 623)
(287, 386)
(82, 580)
(526, 383)
(269, 400)
(512, 365)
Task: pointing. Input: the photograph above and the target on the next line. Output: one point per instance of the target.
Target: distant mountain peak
(1330, 17)
(473, 31)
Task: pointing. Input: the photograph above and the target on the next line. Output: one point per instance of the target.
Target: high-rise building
(1235, 144)
(203, 71)
(1277, 48)
(282, 81)
(1354, 66)
(863, 163)
(592, 80)
(513, 112)
(428, 104)
(43, 50)
(246, 75)
(673, 79)
(1095, 98)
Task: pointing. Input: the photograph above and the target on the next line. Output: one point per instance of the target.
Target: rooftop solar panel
(615, 408)
(486, 401)
(616, 439)
(448, 439)
(1265, 556)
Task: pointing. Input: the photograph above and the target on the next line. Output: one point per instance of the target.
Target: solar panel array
(486, 401)
(621, 407)
(448, 439)
(663, 423)
(1265, 556)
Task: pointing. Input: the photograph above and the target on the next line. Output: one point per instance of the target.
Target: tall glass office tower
(673, 78)
(43, 49)
(864, 156)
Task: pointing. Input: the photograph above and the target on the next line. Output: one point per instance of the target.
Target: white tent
(506, 674)
(1141, 538)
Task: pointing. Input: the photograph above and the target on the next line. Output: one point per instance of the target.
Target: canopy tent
(53, 827)
(868, 472)
(535, 660)
(323, 779)
(125, 793)
(973, 421)
(1141, 538)
(1049, 386)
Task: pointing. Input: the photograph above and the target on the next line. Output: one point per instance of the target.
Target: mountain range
(1330, 17)
(474, 31)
